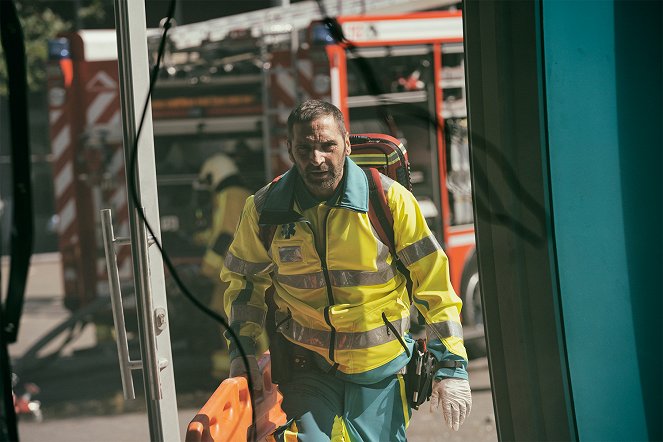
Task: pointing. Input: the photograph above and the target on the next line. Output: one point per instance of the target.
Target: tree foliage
(39, 25)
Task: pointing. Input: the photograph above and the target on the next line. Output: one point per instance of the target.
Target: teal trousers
(321, 407)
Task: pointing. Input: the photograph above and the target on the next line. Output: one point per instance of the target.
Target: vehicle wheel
(472, 313)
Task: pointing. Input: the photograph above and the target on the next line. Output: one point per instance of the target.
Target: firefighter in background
(341, 339)
(219, 174)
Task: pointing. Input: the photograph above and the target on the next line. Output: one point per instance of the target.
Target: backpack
(382, 154)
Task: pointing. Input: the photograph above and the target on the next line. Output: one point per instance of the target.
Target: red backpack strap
(379, 212)
(382, 221)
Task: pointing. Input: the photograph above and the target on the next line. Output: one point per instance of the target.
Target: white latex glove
(237, 368)
(456, 399)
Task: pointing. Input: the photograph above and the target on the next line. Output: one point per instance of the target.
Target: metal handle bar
(126, 364)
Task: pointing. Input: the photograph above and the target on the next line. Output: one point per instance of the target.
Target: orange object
(67, 67)
(227, 414)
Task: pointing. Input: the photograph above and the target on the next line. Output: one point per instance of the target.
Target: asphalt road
(424, 427)
(81, 396)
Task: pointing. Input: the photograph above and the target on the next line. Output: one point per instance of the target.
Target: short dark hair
(310, 110)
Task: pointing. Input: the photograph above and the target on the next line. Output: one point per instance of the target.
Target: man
(220, 176)
(342, 308)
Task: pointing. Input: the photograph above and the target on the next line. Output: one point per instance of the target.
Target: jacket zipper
(330, 294)
(396, 333)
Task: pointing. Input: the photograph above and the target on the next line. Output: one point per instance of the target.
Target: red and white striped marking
(285, 85)
(63, 174)
(119, 205)
(99, 105)
(103, 113)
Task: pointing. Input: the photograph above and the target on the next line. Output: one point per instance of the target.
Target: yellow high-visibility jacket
(337, 289)
(229, 198)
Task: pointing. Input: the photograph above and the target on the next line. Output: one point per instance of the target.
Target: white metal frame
(149, 282)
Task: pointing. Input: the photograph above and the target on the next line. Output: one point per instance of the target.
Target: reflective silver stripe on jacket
(446, 329)
(354, 278)
(338, 278)
(344, 278)
(309, 281)
(386, 183)
(344, 340)
(247, 313)
(246, 268)
(420, 249)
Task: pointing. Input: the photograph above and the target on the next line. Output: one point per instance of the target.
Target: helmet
(215, 169)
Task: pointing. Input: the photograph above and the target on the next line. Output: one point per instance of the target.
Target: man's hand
(237, 368)
(456, 399)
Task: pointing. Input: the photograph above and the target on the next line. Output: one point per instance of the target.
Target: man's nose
(317, 158)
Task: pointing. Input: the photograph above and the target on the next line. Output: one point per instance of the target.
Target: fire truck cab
(231, 92)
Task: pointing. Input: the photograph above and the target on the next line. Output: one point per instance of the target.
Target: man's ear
(348, 146)
(292, 158)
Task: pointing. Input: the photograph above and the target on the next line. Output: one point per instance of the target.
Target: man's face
(318, 149)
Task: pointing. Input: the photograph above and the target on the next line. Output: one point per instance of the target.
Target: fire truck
(228, 85)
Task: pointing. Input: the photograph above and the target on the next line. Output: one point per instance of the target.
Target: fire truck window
(391, 90)
(390, 70)
(454, 114)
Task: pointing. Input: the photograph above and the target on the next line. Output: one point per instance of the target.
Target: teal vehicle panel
(602, 260)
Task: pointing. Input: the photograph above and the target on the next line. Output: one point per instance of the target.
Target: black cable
(8, 427)
(21, 239)
(22, 226)
(169, 264)
(494, 208)
(500, 215)
(336, 32)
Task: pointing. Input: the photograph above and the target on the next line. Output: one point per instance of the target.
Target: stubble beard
(326, 187)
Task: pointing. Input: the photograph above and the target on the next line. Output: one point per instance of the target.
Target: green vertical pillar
(603, 102)
(565, 122)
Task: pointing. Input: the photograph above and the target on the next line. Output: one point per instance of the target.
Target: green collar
(306, 200)
(279, 203)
